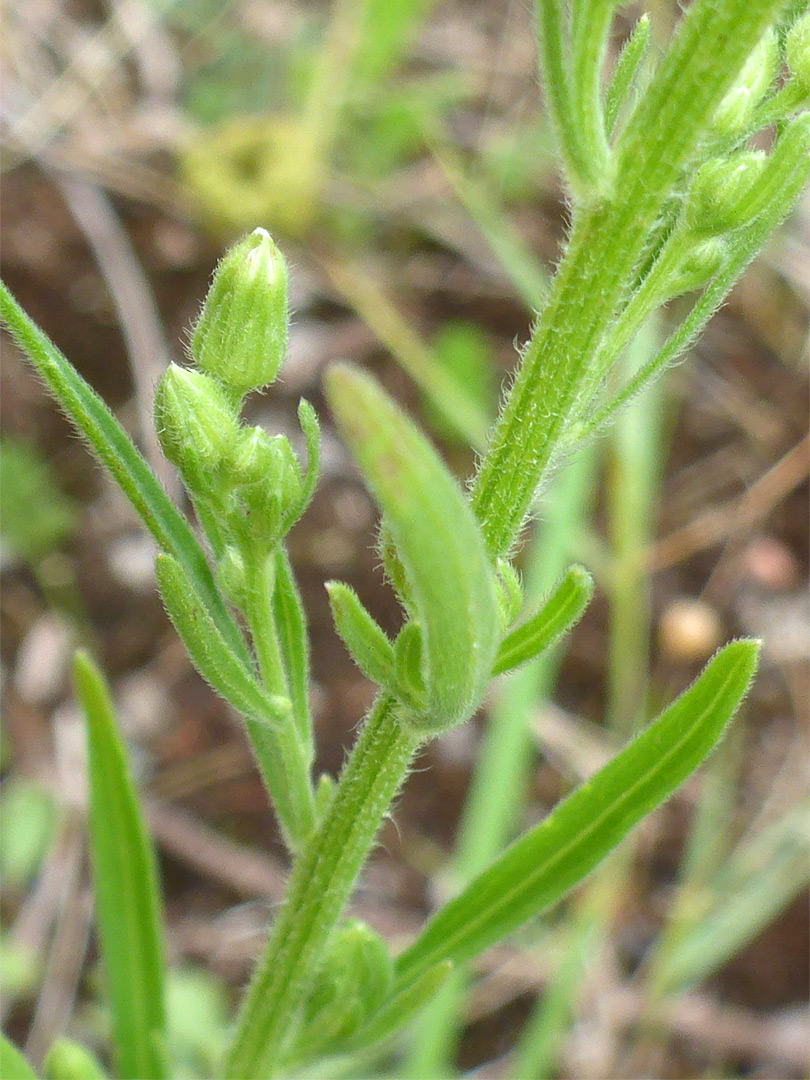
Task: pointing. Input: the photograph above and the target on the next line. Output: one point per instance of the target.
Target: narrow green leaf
(548, 860)
(557, 615)
(437, 539)
(555, 72)
(293, 640)
(589, 29)
(128, 915)
(368, 645)
(208, 649)
(68, 1060)
(308, 419)
(116, 451)
(281, 754)
(626, 72)
(13, 1065)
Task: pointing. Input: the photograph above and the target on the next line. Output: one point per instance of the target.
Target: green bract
(240, 337)
(721, 192)
(797, 52)
(668, 197)
(451, 592)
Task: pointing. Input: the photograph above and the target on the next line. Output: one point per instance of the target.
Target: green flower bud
(797, 52)
(194, 420)
(357, 966)
(232, 576)
(266, 478)
(720, 197)
(240, 337)
(735, 112)
(702, 262)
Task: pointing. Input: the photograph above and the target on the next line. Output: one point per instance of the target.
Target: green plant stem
(284, 766)
(295, 753)
(320, 884)
(291, 633)
(607, 244)
(650, 293)
(260, 585)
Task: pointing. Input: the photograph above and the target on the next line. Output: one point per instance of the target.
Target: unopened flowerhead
(721, 196)
(266, 477)
(240, 337)
(195, 423)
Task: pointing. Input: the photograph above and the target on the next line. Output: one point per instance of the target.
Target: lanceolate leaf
(559, 613)
(367, 644)
(125, 887)
(556, 854)
(209, 650)
(282, 755)
(437, 540)
(116, 451)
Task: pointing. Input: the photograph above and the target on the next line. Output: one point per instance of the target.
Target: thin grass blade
(762, 876)
(128, 909)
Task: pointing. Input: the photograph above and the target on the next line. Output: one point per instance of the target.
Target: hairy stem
(607, 244)
(320, 884)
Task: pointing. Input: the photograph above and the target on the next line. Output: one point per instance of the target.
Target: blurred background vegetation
(397, 150)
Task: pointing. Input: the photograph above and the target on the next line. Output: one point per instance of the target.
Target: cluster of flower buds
(251, 481)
